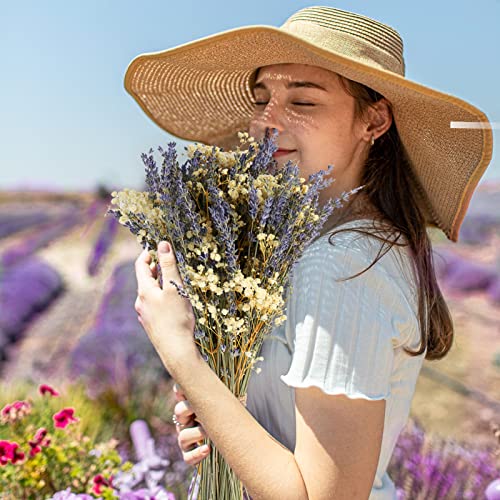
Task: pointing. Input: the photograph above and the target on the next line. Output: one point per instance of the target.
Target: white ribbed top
(345, 338)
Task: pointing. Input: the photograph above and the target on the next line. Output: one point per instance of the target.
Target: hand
(167, 318)
(190, 433)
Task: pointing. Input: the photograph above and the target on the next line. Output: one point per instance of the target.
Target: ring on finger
(175, 421)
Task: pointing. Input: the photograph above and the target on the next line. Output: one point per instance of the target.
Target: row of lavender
(28, 285)
(461, 274)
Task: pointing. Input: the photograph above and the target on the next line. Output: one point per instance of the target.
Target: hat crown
(350, 34)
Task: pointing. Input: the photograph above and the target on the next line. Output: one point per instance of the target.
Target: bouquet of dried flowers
(237, 224)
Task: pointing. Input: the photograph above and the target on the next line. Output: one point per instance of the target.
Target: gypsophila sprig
(237, 224)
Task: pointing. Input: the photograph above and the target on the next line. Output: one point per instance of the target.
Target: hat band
(344, 44)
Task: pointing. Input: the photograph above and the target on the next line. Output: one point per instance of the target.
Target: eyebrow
(293, 85)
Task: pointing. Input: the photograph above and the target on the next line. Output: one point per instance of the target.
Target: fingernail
(163, 247)
(204, 449)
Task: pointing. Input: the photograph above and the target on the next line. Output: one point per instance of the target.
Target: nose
(266, 117)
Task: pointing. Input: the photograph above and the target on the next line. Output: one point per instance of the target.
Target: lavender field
(67, 289)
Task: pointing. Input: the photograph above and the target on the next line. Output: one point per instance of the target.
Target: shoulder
(338, 274)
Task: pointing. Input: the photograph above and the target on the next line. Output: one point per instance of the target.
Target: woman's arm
(338, 439)
(266, 467)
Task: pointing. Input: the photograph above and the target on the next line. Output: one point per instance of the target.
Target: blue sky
(67, 121)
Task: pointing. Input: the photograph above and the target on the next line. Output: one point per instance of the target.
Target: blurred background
(70, 134)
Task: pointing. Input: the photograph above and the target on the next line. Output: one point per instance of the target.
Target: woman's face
(315, 119)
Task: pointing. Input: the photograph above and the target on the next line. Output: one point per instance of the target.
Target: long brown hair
(393, 189)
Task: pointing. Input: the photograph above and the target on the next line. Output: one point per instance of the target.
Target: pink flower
(40, 434)
(100, 482)
(10, 451)
(34, 449)
(6, 410)
(5, 452)
(64, 417)
(15, 411)
(44, 388)
(17, 454)
(38, 441)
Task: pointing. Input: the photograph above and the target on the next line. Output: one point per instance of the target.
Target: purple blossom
(220, 213)
(115, 325)
(67, 494)
(102, 245)
(151, 174)
(266, 211)
(41, 237)
(431, 467)
(26, 289)
(253, 205)
(14, 223)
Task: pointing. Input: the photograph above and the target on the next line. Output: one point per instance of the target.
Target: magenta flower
(5, 452)
(64, 417)
(16, 453)
(40, 434)
(44, 389)
(100, 482)
(34, 449)
(38, 441)
(15, 410)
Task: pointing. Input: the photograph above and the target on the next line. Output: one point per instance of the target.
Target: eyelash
(295, 103)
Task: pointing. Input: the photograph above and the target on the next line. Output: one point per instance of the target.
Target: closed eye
(294, 103)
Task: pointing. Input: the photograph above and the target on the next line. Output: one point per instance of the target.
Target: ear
(378, 119)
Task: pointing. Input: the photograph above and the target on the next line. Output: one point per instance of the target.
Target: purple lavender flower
(264, 158)
(14, 223)
(151, 174)
(253, 205)
(115, 325)
(425, 466)
(266, 211)
(68, 495)
(42, 237)
(220, 213)
(25, 289)
(102, 245)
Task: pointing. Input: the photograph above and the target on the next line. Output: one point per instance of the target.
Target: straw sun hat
(201, 91)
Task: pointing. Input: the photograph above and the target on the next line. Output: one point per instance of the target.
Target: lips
(282, 152)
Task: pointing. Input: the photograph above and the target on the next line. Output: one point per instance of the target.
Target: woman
(338, 377)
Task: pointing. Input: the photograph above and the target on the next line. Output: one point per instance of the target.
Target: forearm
(266, 467)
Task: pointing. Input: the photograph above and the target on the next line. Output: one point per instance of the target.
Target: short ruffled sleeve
(344, 332)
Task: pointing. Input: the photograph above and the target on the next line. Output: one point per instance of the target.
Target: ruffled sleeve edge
(331, 391)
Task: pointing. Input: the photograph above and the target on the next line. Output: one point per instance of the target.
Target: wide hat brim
(201, 91)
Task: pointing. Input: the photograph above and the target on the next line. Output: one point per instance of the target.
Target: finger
(195, 456)
(191, 436)
(154, 270)
(168, 264)
(145, 278)
(179, 394)
(183, 412)
(191, 423)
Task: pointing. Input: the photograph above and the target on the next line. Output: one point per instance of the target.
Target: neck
(358, 207)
